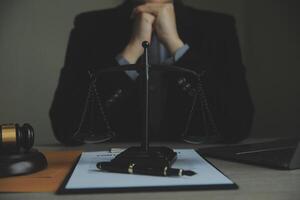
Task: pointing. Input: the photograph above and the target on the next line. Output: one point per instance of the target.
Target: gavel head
(15, 138)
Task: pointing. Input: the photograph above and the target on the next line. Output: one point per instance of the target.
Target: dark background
(34, 35)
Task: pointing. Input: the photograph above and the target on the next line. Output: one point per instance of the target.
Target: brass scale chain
(198, 93)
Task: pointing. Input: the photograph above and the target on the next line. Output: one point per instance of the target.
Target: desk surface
(254, 183)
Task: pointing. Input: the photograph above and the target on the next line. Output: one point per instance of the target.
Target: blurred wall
(34, 35)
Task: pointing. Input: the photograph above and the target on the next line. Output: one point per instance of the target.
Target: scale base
(12, 164)
(154, 157)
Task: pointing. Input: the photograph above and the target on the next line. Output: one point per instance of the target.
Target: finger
(152, 8)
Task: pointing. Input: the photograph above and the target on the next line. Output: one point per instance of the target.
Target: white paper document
(87, 176)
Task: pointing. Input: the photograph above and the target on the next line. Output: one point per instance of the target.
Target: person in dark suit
(203, 41)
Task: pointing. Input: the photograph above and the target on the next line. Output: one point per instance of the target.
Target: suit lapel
(182, 20)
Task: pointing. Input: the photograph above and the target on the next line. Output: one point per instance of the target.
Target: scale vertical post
(153, 157)
(145, 138)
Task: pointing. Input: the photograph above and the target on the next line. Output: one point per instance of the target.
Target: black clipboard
(63, 190)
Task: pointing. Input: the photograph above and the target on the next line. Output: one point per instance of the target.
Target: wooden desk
(47, 180)
(254, 183)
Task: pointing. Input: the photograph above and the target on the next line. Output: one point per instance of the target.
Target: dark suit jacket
(97, 37)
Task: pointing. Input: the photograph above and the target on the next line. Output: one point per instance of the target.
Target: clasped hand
(149, 18)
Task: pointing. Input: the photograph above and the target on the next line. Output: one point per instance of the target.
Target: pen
(135, 169)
